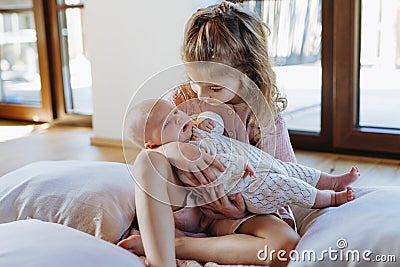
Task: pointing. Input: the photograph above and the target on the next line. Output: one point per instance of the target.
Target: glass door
(380, 64)
(295, 50)
(300, 51)
(367, 76)
(76, 67)
(24, 78)
(72, 82)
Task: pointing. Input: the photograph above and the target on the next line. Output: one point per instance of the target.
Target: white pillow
(32, 243)
(354, 234)
(93, 197)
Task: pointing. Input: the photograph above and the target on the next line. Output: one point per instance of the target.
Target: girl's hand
(219, 205)
(192, 162)
(133, 243)
(206, 125)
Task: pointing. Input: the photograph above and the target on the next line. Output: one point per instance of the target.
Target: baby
(273, 184)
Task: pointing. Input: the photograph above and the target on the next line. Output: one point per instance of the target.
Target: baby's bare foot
(344, 196)
(340, 182)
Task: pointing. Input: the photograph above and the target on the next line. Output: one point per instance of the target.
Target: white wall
(127, 42)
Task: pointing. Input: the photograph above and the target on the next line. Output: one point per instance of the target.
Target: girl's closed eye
(216, 88)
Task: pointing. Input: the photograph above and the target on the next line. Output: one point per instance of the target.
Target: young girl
(226, 34)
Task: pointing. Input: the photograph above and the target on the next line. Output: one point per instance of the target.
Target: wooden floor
(73, 143)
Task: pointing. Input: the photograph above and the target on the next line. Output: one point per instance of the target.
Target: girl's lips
(185, 127)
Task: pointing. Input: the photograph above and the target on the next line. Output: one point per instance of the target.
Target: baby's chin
(187, 136)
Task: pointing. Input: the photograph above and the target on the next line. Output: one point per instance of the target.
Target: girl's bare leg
(337, 183)
(253, 236)
(244, 247)
(152, 172)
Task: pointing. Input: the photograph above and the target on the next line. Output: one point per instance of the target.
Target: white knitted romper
(275, 184)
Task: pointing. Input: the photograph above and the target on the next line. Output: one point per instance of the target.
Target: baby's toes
(350, 194)
(354, 171)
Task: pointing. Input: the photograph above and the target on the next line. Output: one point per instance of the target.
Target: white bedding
(94, 197)
(369, 223)
(33, 243)
(368, 227)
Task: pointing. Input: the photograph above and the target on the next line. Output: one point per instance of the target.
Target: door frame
(348, 134)
(44, 113)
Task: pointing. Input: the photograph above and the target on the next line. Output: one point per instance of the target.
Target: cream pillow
(32, 243)
(363, 232)
(93, 197)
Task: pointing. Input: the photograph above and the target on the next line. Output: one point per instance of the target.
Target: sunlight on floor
(9, 132)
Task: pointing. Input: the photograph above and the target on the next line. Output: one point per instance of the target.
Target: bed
(91, 204)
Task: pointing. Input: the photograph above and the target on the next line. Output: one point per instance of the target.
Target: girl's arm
(153, 175)
(176, 151)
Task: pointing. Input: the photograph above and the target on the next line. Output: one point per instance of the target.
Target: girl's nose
(203, 93)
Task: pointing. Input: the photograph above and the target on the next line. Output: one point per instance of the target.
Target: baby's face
(168, 124)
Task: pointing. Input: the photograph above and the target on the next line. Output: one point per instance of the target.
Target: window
(44, 73)
(76, 68)
(355, 92)
(24, 81)
(18, 57)
(380, 64)
(366, 78)
(295, 50)
(338, 62)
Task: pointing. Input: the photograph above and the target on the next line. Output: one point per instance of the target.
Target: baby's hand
(248, 170)
(206, 125)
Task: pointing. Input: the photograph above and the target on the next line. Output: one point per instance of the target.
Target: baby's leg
(304, 173)
(337, 183)
(328, 198)
(273, 190)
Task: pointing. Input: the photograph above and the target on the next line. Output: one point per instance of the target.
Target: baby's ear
(149, 145)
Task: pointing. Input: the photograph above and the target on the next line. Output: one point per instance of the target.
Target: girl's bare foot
(339, 198)
(133, 243)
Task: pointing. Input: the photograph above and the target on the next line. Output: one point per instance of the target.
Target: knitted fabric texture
(275, 184)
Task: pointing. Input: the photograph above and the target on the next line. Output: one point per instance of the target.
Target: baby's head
(156, 122)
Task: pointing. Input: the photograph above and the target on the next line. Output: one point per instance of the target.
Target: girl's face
(216, 88)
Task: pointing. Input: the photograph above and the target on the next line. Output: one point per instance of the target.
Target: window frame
(321, 141)
(57, 76)
(347, 134)
(44, 113)
(50, 68)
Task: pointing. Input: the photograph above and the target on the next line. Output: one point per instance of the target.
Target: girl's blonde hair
(228, 34)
